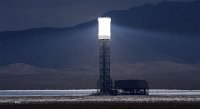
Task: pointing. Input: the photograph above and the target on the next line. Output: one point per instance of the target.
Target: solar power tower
(105, 82)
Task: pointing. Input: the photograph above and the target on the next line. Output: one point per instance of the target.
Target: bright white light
(104, 27)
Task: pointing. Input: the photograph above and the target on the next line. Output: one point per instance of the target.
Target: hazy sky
(26, 14)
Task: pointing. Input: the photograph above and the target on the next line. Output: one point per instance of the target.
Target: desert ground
(100, 102)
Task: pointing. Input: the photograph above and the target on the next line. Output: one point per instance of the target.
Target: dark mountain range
(173, 17)
(166, 32)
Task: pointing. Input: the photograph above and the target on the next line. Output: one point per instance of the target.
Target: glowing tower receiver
(104, 27)
(105, 82)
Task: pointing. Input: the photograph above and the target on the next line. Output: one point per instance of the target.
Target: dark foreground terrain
(103, 106)
(101, 102)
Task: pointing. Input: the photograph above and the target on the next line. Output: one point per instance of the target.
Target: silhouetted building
(132, 87)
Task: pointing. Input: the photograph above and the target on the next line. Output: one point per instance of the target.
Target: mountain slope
(176, 17)
(152, 42)
(145, 33)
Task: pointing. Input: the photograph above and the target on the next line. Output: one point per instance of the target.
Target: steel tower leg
(105, 82)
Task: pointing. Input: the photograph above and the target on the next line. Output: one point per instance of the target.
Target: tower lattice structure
(105, 82)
